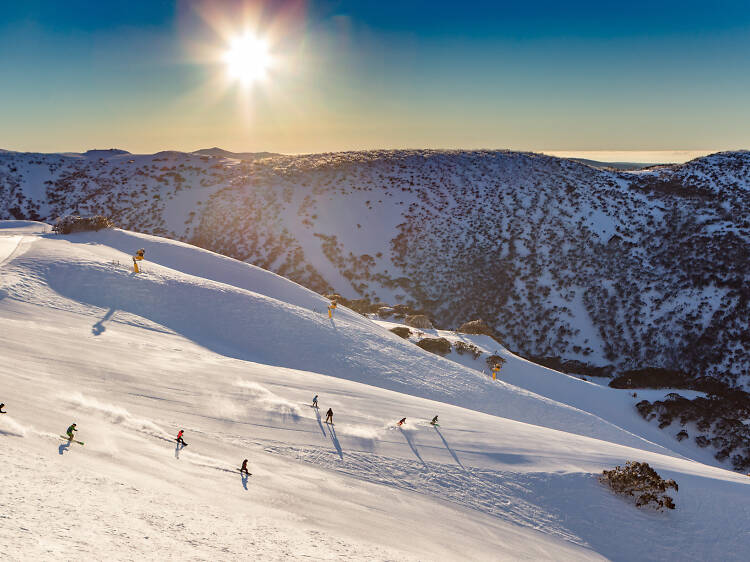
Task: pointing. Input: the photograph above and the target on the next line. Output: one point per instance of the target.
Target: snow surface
(233, 354)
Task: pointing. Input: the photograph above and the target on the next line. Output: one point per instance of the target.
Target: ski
(72, 440)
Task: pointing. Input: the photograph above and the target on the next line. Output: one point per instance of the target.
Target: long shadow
(63, 447)
(98, 328)
(451, 451)
(411, 444)
(320, 423)
(244, 477)
(177, 450)
(335, 441)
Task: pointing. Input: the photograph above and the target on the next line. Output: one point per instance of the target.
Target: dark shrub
(75, 223)
(475, 327)
(441, 346)
(652, 377)
(463, 347)
(573, 366)
(639, 480)
(493, 360)
(401, 331)
(419, 321)
(385, 311)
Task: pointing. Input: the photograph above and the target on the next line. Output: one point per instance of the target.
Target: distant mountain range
(562, 258)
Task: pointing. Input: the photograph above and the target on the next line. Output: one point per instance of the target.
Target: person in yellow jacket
(331, 308)
(136, 258)
(495, 370)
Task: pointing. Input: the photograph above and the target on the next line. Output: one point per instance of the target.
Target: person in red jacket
(179, 438)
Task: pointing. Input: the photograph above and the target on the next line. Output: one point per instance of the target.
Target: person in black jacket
(329, 416)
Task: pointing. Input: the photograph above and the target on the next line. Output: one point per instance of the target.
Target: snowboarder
(70, 431)
(179, 438)
(401, 422)
(434, 421)
(329, 416)
(136, 258)
(331, 308)
(315, 401)
(1, 408)
(244, 467)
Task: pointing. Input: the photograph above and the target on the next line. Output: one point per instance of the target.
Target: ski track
(489, 491)
(80, 522)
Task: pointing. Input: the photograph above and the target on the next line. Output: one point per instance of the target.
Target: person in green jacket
(70, 431)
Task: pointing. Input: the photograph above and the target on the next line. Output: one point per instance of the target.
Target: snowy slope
(233, 355)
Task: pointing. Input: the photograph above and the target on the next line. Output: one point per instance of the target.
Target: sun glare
(247, 58)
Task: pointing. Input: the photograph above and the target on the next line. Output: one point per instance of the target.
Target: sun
(247, 58)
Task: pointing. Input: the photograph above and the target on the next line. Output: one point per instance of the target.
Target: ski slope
(233, 354)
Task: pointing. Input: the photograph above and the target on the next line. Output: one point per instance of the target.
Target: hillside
(620, 268)
(233, 354)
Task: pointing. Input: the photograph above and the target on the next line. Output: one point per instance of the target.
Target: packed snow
(233, 354)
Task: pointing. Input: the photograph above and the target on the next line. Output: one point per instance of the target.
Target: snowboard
(330, 423)
(435, 424)
(183, 443)
(65, 437)
(243, 472)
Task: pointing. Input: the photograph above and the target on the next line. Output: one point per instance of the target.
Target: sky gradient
(581, 76)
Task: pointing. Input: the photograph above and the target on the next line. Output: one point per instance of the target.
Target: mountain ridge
(633, 269)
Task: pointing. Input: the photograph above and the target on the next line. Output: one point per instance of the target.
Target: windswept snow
(233, 354)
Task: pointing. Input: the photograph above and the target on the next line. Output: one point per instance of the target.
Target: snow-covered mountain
(628, 268)
(233, 354)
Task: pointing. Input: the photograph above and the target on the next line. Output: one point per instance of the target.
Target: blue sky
(577, 76)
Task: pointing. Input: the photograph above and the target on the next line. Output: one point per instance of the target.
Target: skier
(434, 421)
(331, 308)
(179, 438)
(402, 422)
(136, 258)
(329, 416)
(315, 401)
(1, 408)
(244, 467)
(70, 431)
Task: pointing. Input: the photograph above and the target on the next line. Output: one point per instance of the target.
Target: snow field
(511, 478)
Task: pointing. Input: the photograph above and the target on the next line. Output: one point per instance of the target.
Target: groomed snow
(233, 355)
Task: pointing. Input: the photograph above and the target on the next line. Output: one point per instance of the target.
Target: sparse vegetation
(718, 417)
